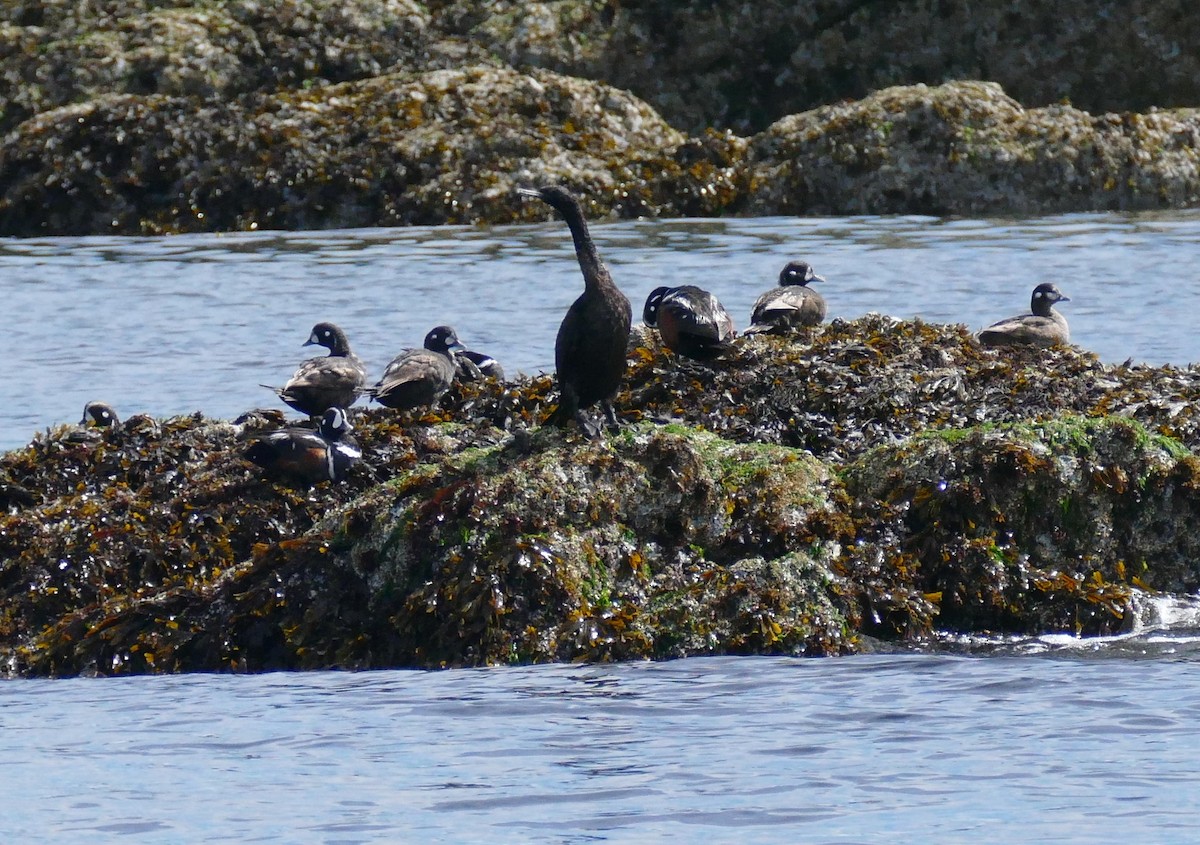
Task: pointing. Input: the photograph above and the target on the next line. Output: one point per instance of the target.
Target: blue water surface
(872, 749)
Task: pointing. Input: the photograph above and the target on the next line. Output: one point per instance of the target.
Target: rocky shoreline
(130, 117)
(872, 482)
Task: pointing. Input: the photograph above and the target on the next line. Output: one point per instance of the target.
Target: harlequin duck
(418, 377)
(334, 381)
(690, 320)
(100, 415)
(323, 454)
(790, 305)
(473, 365)
(1044, 327)
(589, 352)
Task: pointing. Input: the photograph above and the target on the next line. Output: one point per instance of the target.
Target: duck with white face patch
(334, 381)
(1043, 327)
(791, 305)
(305, 454)
(100, 415)
(419, 377)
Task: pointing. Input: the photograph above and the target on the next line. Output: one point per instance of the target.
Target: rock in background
(140, 117)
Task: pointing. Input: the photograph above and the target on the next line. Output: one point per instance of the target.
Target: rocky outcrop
(874, 480)
(724, 64)
(743, 66)
(451, 146)
(967, 148)
(443, 146)
(137, 117)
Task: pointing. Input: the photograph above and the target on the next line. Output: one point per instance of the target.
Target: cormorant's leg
(587, 425)
(568, 408)
(610, 414)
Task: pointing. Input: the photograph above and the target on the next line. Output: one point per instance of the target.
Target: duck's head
(653, 302)
(798, 273)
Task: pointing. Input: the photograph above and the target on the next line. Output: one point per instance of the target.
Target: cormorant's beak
(530, 192)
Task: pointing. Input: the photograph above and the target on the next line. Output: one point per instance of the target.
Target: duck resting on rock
(334, 381)
(791, 305)
(323, 454)
(100, 415)
(418, 377)
(1043, 327)
(691, 321)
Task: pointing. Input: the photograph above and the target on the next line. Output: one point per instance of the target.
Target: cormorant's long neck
(595, 273)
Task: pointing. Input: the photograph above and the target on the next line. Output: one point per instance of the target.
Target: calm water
(174, 325)
(876, 749)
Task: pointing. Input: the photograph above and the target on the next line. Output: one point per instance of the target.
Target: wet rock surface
(865, 481)
(136, 117)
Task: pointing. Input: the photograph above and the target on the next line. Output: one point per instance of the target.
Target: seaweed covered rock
(847, 386)
(687, 59)
(61, 53)
(137, 117)
(871, 477)
(967, 148)
(741, 66)
(437, 147)
(1035, 527)
(656, 543)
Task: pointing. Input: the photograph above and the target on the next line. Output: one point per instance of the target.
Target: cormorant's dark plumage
(320, 455)
(1043, 327)
(589, 353)
(690, 320)
(334, 381)
(790, 305)
(419, 377)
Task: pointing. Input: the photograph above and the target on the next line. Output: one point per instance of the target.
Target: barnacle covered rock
(968, 148)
